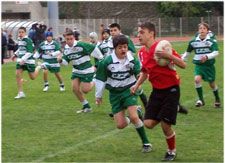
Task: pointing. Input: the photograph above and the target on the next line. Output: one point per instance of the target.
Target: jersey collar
(198, 38)
(46, 42)
(74, 44)
(128, 58)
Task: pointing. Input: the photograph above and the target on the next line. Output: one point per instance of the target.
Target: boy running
(48, 51)
(164, 99)
(118, 72)
(78, 53)
(206, 49)
(25, 61)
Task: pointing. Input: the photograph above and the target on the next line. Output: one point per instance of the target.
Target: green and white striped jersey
(79, 56)
(104, 47)
(25, 50)
(116, 74)
(207, 47)
(49, 52)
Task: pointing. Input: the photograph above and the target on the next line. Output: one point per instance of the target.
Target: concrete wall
(37, 12)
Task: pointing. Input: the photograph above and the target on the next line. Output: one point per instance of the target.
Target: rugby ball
(162, 45)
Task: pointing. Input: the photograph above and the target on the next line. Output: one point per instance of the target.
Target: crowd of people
(118, 70)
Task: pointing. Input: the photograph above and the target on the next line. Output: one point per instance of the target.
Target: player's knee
(32, 77)
(149, 125)
(121, 125)
(197, 80)
(134, 119)
(86, 90)
(76, 90)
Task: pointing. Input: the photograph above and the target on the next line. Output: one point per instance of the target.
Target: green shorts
(54, 69)
(26, 67)
(120, 101)
(87, 78)
(207, 72)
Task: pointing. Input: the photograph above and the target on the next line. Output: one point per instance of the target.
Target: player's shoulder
(84, 44)
(27, 39)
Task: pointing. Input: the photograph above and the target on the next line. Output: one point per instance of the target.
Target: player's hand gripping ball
(163, 45)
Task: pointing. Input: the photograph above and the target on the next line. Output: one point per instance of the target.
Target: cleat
(199, 103)
(217, 104)
(146, 148)
(62, 88)
(169, 156)
(140, 114)
(111, 115)
(45, 88)
(182, 109)
(84, 110)
(20, 95)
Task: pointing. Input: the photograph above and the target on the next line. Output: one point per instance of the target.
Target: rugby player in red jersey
(164, 98)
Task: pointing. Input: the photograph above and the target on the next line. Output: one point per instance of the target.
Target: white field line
(108, 134)
(66, 150)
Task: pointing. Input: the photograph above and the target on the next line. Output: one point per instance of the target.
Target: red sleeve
(176, 54)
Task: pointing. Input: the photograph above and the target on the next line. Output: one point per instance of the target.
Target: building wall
(37, 12)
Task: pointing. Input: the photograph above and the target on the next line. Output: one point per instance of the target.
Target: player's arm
(96, 53)
(175, 57)
(215, 51)
(38, 52)
(57, 50)
(63, 59)
(101, 77)
(29, 53)
(187, 53)
(142, 77)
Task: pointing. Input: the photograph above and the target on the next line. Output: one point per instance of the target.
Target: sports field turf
(44, 127)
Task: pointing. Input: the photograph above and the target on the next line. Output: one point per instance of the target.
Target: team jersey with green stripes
(201, 48)
(46, 49)
(116, 74)
(104, 48)
(79, 56)
(25, 50)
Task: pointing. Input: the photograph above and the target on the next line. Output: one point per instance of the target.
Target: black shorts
(162, 105)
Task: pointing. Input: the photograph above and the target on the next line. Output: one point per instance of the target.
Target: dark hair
(120, 40)
(149, 26)
(204, 24)
(76, 35)
(106, 31)
(23, 28)
(69, 33)
(113, 25)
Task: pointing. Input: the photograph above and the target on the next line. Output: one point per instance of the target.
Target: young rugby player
(78, 53)
(206, 49)
(48, 51)
(25, 60)
(118, 72)
(164, 99)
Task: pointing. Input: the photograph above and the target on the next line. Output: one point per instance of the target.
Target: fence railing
(172, 26)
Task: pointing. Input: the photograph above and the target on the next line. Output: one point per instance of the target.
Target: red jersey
(161, 77)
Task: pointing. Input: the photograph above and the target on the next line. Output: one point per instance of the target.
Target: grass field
(44, 127)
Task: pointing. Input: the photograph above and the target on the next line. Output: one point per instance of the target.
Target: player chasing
(48, 51)
(117, 73)
(115, 30)
(25, 60)
(78, 53)
(206, 49)
(164, 98)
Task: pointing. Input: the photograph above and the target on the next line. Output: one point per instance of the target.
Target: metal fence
(172, 26)
(183, 26)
